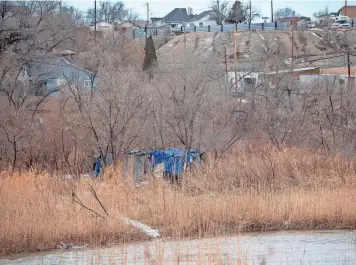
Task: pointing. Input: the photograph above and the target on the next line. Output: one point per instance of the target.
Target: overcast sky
(159, 8)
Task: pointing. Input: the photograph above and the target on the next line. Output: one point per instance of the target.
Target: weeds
(250, 190)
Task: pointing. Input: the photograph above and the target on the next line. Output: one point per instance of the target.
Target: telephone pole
(348, 65)
(250, 20)
(148, 18)
(218, 2)
(345, 8)
(292, 45)
(95, 20)
(226, 69)
(235, 55)
(271, 10)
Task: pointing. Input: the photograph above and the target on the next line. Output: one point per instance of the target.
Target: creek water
(291, 247)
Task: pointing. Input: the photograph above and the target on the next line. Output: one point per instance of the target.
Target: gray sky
(159, 8)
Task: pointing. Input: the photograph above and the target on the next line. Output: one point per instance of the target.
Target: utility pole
(226, 70)
(348, 65)
(271, 10)
(218, 2)
(345, 8)
(250, 20)
(293, 41)
(95, 20)
(235, 56)
(185, 38)
(148, 18)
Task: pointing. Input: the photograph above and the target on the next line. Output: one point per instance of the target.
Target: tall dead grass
(251, 190)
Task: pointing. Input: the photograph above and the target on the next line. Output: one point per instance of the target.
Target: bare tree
(27, 30)
(221, 11)
(190, 109)
(286, 12)
(324, 12)
(112, 12)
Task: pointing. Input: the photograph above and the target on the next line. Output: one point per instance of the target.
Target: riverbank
(268, 248)
(256, 190)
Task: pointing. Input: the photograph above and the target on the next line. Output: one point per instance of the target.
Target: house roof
(177, 15)
(67, 52)
(135, 23)
(292, 71)
(67, 62)
(45, 66)
(339, 70)
(156, 18)
(201, 15)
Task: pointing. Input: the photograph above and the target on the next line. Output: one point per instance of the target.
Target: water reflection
(306, 247)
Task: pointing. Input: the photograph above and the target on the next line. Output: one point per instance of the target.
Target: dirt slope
(251, 45)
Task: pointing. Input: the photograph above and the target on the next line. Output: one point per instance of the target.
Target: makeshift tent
(168, 162)
(173, 159)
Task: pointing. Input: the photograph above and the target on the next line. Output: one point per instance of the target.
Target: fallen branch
(92, 190)
(77, 200)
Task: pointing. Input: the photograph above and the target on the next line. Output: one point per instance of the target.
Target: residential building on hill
(203, 20)
(349, 11)
(52, 75)
(180, 17)
(177, 17)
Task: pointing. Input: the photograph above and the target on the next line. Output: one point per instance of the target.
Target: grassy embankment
(257, 190)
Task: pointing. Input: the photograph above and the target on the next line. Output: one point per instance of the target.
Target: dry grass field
(250, 190)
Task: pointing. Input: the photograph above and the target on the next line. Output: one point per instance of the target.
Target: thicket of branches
(180, 104)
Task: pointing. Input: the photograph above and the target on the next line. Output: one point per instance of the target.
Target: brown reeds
(250, 190)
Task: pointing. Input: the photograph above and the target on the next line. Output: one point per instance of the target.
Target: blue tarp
(173, 159)
(97, 167)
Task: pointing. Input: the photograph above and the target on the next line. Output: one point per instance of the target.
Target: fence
(140, 32)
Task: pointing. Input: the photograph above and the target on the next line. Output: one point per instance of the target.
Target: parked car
(343, 21)
(311, 24)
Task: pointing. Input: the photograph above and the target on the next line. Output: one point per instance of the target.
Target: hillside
(253, 47)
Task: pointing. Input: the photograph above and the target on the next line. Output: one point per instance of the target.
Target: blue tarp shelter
(173, 159)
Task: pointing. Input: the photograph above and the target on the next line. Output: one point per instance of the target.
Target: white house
(103, 26)
(202, 20)
(335, 81)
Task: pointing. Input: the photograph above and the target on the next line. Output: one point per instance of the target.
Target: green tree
(240, 13)
(150, 56)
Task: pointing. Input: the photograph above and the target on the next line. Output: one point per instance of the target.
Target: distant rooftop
(178, 15)
(201, 15)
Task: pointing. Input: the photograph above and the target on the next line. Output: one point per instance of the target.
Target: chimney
(190, 11)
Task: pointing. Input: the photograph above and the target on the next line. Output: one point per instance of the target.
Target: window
(200, 24)
(341, 81)
(192, 25)
(87, 83)
(249, 84)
